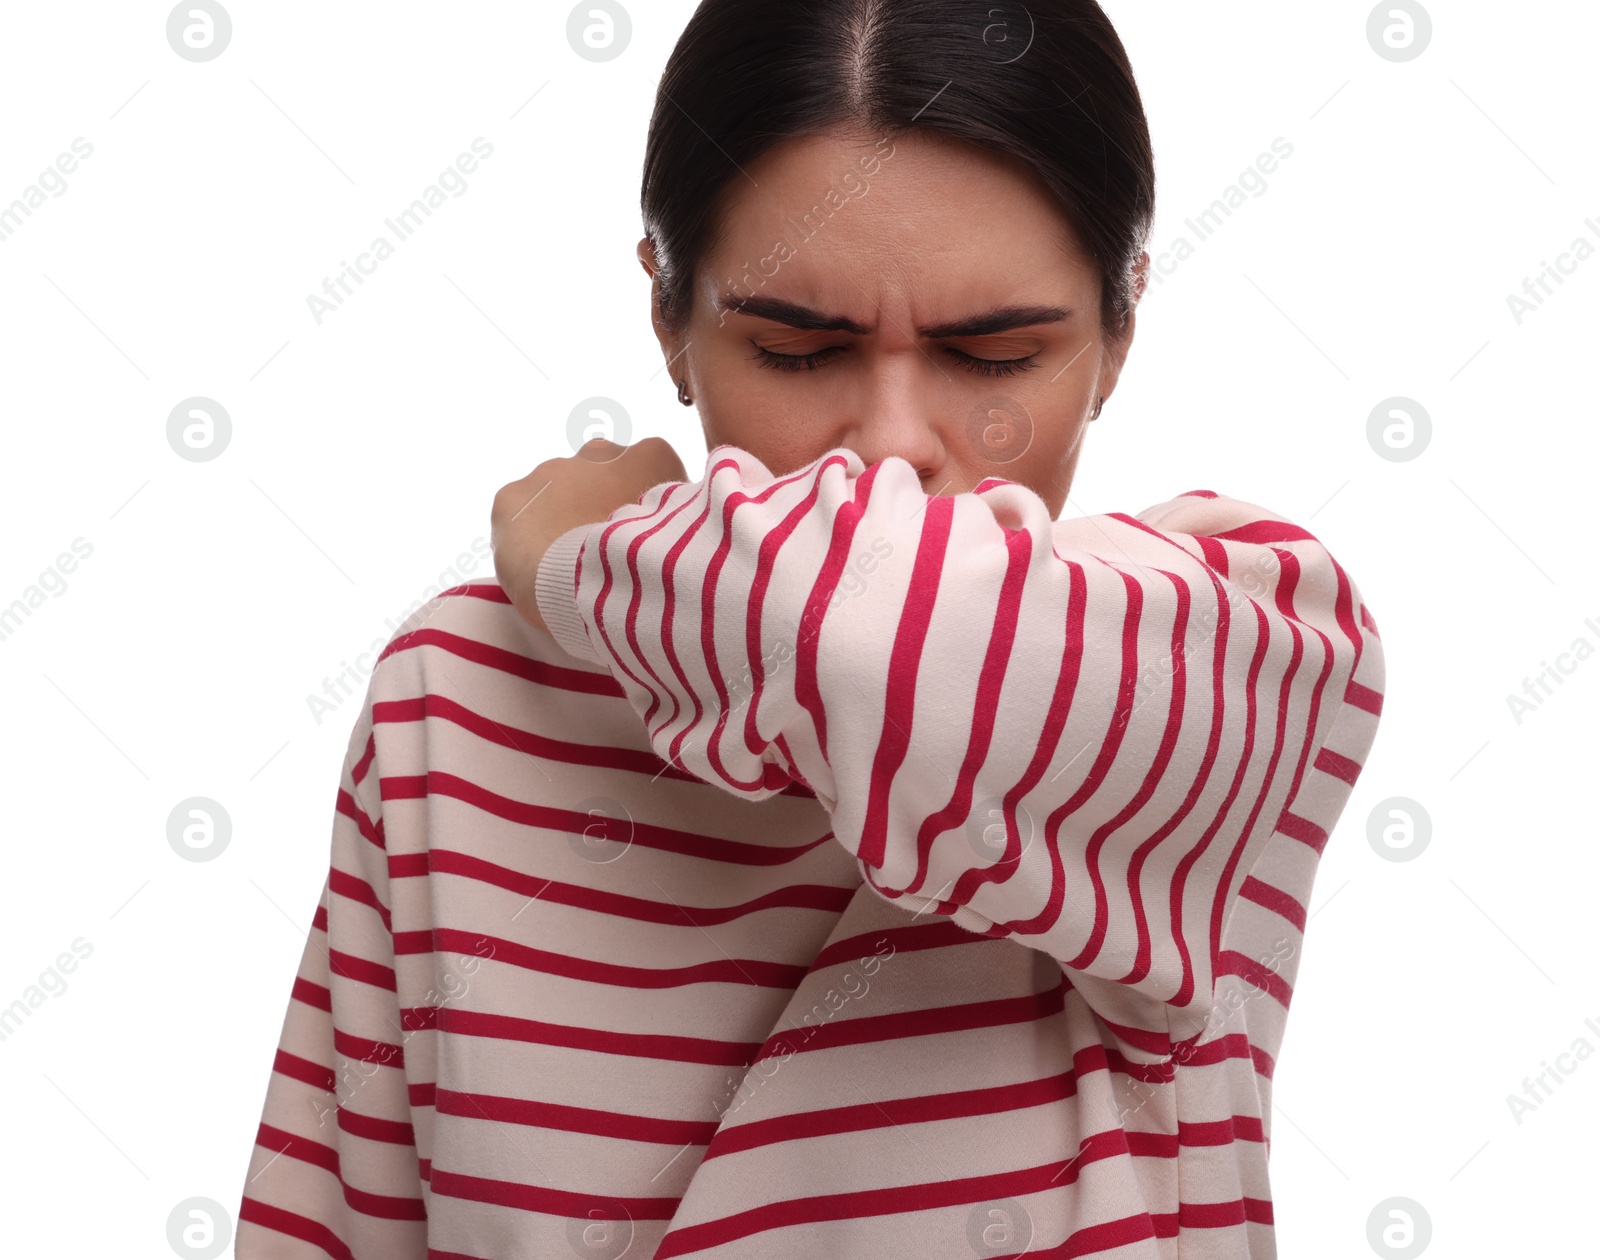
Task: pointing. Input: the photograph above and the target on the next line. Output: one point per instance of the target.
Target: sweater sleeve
(335, 1169)
(1078, 734)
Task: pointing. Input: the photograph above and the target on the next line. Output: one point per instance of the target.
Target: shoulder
(1281, 564)
(1208, 513)
(461, 679)
(470, 631)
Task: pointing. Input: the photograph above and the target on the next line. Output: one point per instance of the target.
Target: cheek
(1042, 432)
(1053, 457)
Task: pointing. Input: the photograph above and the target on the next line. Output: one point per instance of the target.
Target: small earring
(683, 393)
(1101, 402)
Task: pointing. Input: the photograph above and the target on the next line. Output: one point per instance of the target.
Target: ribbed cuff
(554, 591)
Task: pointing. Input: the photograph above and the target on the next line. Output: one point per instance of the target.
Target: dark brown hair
(1047, 83)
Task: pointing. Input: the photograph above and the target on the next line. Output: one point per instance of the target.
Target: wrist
(555, 594)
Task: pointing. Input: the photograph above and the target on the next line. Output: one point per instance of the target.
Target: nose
(895, 413)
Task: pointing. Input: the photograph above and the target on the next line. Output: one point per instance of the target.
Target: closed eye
(817, 358)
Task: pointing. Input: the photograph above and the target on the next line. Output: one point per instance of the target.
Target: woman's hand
(561, 494)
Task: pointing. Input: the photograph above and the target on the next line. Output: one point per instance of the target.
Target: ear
(1116, 355)
(646, 252)
(1117, 346)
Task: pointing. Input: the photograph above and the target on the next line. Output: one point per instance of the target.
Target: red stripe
(549, 1115)
(531, 668)
(531, 743)
(1148, 1040)
(666, 839)
(1109, 1236)
(408, 865)
(305, 1149)
(900, 691)
(419, 1018)
(937, 934)
(766, 560)
(311, 994)
(808, 692)
(1222, 1215)
(1274, 899)
(374, 1129)
(630, 627)
(388, 1207)
(358, 772)
(357, 889)
(864, 1029)
(1264, 531)
(822, 897)
(1338, 765)
(568, 1203)
(345, 804)
(362, 969)
(720, 970)
(1279, 742)
(293, 1225)
(1364, 698)
(891, 1200)
(303, 1070)
(364, 1050)
(631, 1045)
(1221, 1132)
(987, 705)
(1230, 962)
(888, 1112)
(1303, 830)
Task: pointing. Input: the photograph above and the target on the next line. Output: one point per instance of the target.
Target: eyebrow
(1001, 319)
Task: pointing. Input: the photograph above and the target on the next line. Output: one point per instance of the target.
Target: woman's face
(930, 262)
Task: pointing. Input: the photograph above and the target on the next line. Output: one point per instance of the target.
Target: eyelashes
(811, 362)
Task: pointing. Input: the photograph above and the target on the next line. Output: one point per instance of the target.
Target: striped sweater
(846, 872)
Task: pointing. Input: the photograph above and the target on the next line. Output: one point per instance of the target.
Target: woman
(837, 854)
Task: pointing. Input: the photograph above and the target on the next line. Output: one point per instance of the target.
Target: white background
(218, 595)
